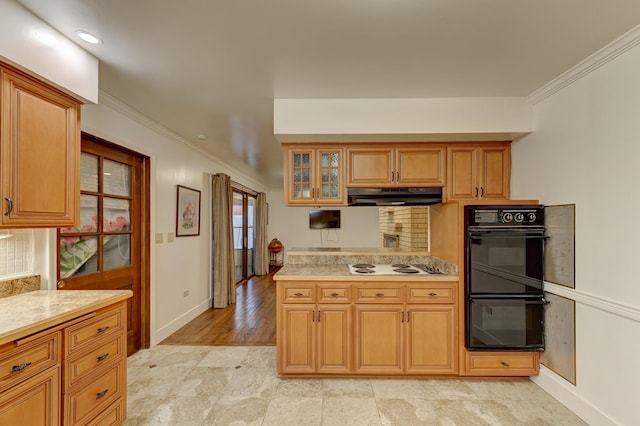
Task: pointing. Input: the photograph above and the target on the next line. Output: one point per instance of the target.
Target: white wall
(585, 150)
(26, 41)
(183, 264)
(359, 226)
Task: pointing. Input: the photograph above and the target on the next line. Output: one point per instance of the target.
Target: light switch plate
(159, 238)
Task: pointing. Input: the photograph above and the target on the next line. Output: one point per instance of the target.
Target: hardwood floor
(250, 322)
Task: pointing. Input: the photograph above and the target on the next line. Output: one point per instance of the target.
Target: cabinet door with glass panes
(314, 176)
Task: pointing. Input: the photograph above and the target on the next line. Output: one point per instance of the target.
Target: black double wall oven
(503, 277)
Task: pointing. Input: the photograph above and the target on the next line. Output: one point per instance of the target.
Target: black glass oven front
(514, 323)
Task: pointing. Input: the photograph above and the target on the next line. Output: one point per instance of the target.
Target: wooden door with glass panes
(104, 251)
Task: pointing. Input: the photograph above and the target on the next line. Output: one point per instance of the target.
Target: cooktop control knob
(507, 217)
(519, 217)
(532, 217)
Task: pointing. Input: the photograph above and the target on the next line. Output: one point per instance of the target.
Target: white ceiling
(214, 66)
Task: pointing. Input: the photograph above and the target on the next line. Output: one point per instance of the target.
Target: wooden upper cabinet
(478, 172)
(402, 165)
(40, 146)
(314, 175)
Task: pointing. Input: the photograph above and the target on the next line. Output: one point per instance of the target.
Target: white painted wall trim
(124, 109)
(611, 51)
(597, 302)
(179, 322)
(566, 393)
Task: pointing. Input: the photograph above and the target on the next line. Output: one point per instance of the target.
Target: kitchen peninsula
(63, 357)
(333, 322)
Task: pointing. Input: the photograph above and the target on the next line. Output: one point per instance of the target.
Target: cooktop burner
(407, 270)
(385, 269)
(363, 265)
(364, 270)
(401, 265)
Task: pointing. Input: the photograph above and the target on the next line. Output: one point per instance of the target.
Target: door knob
(61, 284)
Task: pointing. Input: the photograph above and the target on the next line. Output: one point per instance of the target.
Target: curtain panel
(262, 245)
(224, 291)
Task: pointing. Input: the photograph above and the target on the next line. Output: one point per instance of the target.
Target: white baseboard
(566, 393)
(179, 322)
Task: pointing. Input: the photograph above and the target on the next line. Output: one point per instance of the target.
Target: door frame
(145, 235)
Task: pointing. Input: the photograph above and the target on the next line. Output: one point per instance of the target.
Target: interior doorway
(244, 204)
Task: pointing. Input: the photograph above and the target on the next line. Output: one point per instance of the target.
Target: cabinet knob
(61, 284)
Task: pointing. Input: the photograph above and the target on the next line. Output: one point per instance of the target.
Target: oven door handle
(478, 236)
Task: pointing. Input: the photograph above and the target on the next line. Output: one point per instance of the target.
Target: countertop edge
(42, 325)
(369, 278)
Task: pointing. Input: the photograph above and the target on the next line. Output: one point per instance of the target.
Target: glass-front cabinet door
(314, 176)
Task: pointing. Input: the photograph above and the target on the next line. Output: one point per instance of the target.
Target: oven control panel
(505, 216)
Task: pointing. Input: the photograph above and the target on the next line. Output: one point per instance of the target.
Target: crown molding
(124, 109)
(622, 44)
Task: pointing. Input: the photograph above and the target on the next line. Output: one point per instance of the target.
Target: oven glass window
(498, 323)
(505, 265)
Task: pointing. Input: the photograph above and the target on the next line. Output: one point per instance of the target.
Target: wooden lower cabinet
(379, 340)
(316, 339)
(431, 339)
(72, 373)
(33, 402)
(502, 363)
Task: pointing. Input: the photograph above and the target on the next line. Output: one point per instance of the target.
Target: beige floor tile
(156, 381)
(164, 355)
(447, 389)
(300, 387)
(184, 411)
(397, 388)
(286, 410)
(407, 412)
(260, 356)
(141, 411)
(253, 382)
(350, 411)
(224, 356)
(238, 411)
(204, 381)
(348, 388)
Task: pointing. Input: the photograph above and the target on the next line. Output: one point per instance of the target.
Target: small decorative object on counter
(276, 251)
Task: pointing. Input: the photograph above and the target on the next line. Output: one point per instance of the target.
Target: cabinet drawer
(89, 332)
(23, 362)
(77, 369)
(432, 294)
(503, 364)
(299, 293)
(112, 416)
(95, 396)
(379, 294)
(336, 294)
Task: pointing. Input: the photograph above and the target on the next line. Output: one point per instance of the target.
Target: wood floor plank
(251, 321)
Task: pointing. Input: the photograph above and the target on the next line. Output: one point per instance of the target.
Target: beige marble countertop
(354, 251)
(341, 273)
(28, 313)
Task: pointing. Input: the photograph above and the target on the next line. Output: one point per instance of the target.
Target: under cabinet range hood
(416, 196)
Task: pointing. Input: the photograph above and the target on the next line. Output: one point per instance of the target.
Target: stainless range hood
(416, 196)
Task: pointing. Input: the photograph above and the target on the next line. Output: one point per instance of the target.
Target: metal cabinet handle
(433, 294)
(402, 316)
(318, 316)
(297, 294)
(481, 191)
(103, 357)
(334, 295)
(408, 316)
(379, 294)
(9, 206)
(476, 192)
(397, 176)
(505, 364)
(101, 394)
(18, 368)
(103, 329)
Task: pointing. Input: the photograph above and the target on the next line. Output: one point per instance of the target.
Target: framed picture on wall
(188, 212)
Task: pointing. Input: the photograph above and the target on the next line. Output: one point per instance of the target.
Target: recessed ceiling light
(88, 37)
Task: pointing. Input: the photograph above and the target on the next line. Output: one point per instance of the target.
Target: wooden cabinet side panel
(378, 339)
(33, 402)
(431, 340)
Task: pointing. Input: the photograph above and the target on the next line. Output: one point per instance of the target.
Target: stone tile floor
(238, 385)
